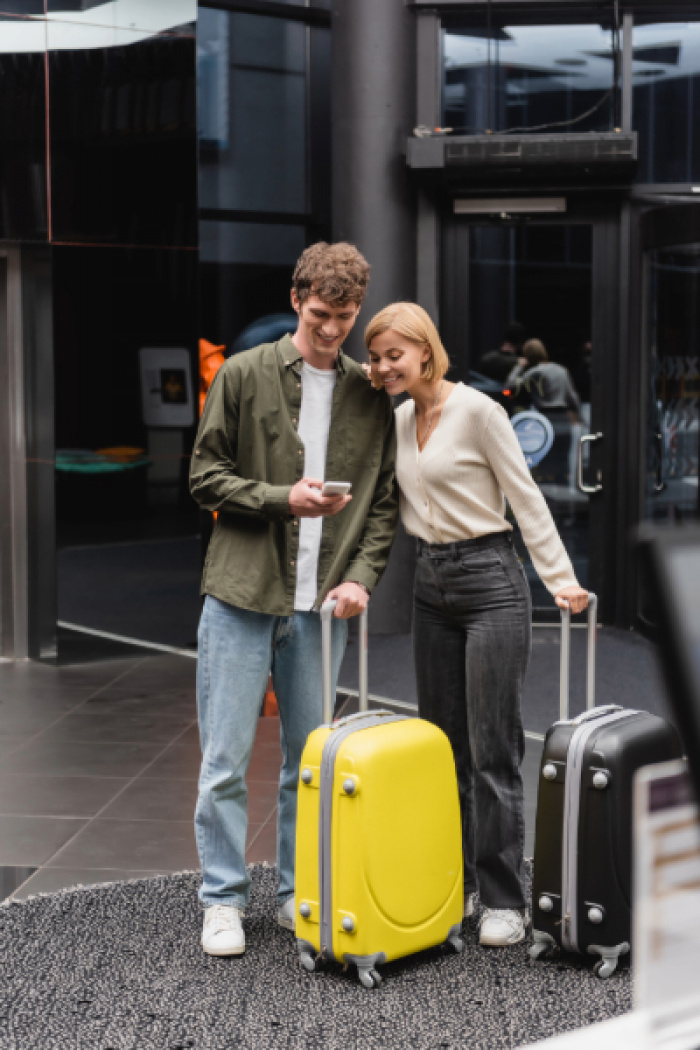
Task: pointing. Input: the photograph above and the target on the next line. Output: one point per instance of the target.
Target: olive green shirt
(248, 456)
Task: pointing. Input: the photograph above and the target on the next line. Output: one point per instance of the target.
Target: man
(498, 364)
(279, 419)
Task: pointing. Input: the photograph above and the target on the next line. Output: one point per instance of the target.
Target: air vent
(606, 157)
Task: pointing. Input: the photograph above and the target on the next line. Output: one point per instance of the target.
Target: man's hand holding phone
(306, 500)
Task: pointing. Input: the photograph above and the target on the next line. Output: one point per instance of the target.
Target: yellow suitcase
(379, 841)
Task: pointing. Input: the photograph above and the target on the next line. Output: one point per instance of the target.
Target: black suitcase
(581, 893)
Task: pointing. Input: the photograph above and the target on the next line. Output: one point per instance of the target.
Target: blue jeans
(237, 651)
(471, 636)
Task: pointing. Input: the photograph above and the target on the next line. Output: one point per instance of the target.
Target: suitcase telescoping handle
(327, 610)
(565, 671)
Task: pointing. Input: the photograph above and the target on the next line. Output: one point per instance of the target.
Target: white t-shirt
(314, 424)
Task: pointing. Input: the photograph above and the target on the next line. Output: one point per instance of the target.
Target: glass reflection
(252, 112)
(123, 143)
(673, 340)
(516, 77)
(23, 195)
(666, 84)
(245, 278)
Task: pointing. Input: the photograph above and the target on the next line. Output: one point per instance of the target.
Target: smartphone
(336, 488)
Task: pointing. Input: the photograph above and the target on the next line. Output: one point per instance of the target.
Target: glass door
(671, 372)
(520, 325)
(673, 382)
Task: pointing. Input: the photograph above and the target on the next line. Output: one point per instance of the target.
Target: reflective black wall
(122, 136)
(264, 164)
(98, 164)
(23, 187)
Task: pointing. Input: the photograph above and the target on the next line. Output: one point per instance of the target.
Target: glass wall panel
(673, 345)
(23, 192)
(245, 278)
(527, 77)
(252, 115)
(128, 551)
(123, 142)
(666, 80)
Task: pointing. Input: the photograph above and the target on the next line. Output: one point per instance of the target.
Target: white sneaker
(223, 933)
(469, 906)
(286, 915)
(501, 927)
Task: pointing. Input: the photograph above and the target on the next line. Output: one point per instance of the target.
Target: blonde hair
(412, 322)
(534, 352)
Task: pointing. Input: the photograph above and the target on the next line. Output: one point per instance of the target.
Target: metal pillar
(374, 203)
(27, 523)
(373, 105)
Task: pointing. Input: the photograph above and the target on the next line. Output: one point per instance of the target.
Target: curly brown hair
(336, 273)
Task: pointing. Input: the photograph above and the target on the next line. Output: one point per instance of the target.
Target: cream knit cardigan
(454, 489)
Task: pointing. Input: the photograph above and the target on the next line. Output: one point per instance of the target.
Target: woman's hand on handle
(574, 598)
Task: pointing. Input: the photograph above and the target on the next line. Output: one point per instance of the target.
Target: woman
(457, 456)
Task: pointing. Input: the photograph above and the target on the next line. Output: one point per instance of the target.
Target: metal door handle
(659, 484)
(588, 489)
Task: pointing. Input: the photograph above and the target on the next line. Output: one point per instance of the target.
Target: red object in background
(270, 708)
(211, 358)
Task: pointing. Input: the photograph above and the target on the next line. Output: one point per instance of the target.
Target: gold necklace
(421, 443)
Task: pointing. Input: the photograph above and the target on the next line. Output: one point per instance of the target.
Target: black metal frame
(530, 10)
(311, 16)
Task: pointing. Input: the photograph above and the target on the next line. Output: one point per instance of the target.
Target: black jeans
(471, 642)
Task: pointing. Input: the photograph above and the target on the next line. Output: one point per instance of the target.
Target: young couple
(278, 420)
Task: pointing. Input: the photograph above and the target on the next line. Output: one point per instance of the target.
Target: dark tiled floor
(98, 772)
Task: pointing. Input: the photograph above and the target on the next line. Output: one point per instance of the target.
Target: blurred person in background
(498, 364)
(549, 385)
(550, 389)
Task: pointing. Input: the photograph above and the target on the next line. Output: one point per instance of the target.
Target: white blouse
(454, 489)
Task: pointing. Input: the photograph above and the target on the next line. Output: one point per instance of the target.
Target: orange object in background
(270, 708)
(211, 358)
(122, 453)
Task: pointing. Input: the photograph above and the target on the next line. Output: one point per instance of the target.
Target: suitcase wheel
(538, 950)
(543, 944)
(610, 956)
(455, 941)
(369, 978)
(308, 961)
